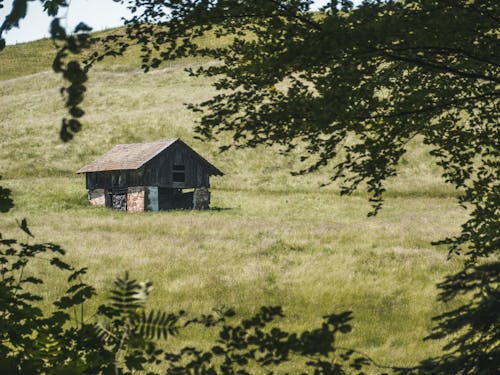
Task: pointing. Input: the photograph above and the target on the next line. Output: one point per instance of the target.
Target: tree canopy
(353, 85)
(360, 82)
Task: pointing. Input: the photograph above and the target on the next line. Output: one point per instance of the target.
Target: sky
(98, 14)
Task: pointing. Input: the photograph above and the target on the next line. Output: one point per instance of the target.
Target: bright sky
(99, 14)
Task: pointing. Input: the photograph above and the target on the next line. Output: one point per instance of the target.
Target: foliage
(472, 328)
(255, 341)
(354, 85)
(125, 337)
(6, 202)
(30, 340)
(127, 331)
(478, 321)
(34, 341)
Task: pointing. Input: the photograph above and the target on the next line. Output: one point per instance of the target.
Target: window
(122, 179)
(118, 178)
(179, 173)
(91, 180)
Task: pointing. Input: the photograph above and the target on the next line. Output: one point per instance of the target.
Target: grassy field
(271, 239)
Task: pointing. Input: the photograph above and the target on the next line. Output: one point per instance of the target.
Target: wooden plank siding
(159, 171)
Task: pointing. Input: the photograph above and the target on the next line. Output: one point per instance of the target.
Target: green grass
(311, 252)
(276, 239)
(26, 58)
(34, 57)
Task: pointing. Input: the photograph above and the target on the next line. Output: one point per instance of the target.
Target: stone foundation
(97, 197)
(135, 198)
(144, 198)
(201, 199)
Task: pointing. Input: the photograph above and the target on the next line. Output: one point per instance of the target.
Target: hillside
(274, 239)
(123, 105)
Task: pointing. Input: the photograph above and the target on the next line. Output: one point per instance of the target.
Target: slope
(273, 239)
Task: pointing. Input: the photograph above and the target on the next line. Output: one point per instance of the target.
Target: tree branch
(438, 67)
(448, 49)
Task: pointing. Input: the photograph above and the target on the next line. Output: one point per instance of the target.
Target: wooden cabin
(150, 176)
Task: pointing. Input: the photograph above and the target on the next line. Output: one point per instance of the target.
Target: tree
(364, 80)
(124, 337)
(354, 85)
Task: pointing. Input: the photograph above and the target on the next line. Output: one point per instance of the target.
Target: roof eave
(217, 172)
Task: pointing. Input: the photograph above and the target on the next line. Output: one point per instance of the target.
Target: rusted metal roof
(128, 156)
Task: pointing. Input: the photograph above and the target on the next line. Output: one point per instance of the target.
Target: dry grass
(275, 239)
(311, 252)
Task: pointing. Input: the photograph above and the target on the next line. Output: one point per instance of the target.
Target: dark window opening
(175, 199)
(118, 179)
(122, 179)
(93, 178)
(179, 173)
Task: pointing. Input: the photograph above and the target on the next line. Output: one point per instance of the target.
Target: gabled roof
(135, 155)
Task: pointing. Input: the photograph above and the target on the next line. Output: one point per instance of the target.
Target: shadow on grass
(6, 202)
(472, 330)
(221, 208)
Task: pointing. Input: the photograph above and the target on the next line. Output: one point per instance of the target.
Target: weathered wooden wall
(159, 172)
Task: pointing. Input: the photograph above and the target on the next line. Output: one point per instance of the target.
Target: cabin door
(119, 201)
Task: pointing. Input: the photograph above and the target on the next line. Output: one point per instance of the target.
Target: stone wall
(142, 198)
(97, 197)
(201, 199)
(135, 198)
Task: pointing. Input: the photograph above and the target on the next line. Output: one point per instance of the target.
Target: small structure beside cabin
(150, 176)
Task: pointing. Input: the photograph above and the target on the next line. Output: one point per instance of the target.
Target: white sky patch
(98, 14)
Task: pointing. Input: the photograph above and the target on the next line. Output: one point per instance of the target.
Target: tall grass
(270, 239)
